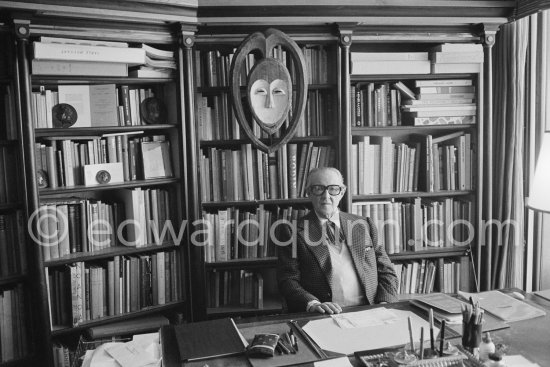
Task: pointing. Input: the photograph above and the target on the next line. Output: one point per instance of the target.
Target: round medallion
(153, 111)
(103, 177)
(64, 115)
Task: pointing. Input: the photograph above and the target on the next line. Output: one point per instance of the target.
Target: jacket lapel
(312, 235)
(358, 241)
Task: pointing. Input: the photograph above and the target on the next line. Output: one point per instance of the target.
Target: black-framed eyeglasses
(319, 190)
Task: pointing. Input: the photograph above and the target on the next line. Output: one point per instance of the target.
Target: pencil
(432, 341)
(442, 341)
(422, 342)
(411, 334)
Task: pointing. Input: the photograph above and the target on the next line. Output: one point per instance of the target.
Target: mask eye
(278, 92)
(261, 92)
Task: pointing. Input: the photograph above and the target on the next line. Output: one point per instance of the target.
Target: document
(360, 332)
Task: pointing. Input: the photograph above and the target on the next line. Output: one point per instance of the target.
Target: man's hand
(326, 307)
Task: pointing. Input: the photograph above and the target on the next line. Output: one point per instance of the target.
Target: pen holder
(471, 335)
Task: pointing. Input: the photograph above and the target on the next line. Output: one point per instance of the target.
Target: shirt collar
(335, 218)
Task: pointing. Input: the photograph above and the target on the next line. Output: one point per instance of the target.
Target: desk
(530, 338)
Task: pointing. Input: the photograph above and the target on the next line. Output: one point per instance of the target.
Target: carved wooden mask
(269, 87)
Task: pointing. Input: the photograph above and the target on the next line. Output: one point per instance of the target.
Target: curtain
(520, 104)
(506, 244)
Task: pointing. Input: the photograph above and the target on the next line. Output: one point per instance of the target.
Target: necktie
(331, 238)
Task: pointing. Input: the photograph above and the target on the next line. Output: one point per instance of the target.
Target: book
(442, 82)
(95, 105)
(389, 56)
(404, 90)
(156, 53)
(208, 339)
(75, 41)
(457, 47)
(82, 68)
(446, 89)
(151, 72)
(156, 159)
(456, 57)
(452, 68)
(390, 67)
(75, 52)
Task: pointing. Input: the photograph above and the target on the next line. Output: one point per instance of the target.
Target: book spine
(71, 52)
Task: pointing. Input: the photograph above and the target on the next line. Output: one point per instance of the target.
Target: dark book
(125, 102)
(209, 339)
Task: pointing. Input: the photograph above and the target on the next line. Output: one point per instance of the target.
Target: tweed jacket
(304, 269)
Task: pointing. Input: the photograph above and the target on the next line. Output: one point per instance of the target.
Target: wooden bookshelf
(441, 252)
(242, 263)
(415, 194)
(109, 186)
(271, 306)
(12, 279)
(92, 131)
(238, 142)
(9, 206)
(255, 203)
(69, 80)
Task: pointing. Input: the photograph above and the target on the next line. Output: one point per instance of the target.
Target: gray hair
(322, 169)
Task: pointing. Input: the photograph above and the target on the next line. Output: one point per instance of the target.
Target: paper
(330, 336)
(336, 362)
(141, 351)
(504, 307)
(377, 317)
(518, 361)
(544, 294)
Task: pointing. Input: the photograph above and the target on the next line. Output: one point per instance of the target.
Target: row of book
(79, 225)
(217, 121)
(83, 292)
(14, 343)
(9, 182)
(381, 166)
(13, 259)
(235, 288)
(95, 105)
(441, 59)
(70, 56)
(249, 174)
(212, 68)
(234, 233)
(422, 276)
(65, 162)
(7, 114)
(375, 104)
(420, 224)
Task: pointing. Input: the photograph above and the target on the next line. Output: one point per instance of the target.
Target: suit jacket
(304, 269)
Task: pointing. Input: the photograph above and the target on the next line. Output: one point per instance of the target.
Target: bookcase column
(41, 333)
(191, 150)
(344, 124)
(485, 169)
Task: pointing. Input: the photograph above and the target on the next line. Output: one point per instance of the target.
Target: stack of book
(416, 277)
(441, 102)
(158, 64)
(456, 58)
(67, 56)
(375, 63)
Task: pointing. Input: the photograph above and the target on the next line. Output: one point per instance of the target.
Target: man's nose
(325, 195)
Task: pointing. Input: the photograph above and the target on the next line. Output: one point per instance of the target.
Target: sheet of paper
(329, 336)
(518, 361)
(377, 317)
(504, 306)
(132, 354)
(336, 362)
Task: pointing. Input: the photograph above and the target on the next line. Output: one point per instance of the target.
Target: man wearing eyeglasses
(337, 260)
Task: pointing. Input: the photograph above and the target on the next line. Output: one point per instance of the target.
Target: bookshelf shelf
(360, 131)
(11, 279)
(93, 131)
(225, 89)
(9, 206)
(395, 77)
(253, 203)
(271, 305)
(108, 253)
(416, 194)
(239, 142)
(62, 80)
(8, 143)
(243, 263)
(125, 185)
(431, 253)
(62, 330)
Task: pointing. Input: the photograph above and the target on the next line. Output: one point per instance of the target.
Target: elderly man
(337, 261)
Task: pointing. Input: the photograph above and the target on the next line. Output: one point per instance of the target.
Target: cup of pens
(472, 327)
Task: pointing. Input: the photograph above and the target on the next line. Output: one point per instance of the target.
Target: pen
(411, 334)
(432, 341)
(442, 341)
(283, 347)
(422, 342)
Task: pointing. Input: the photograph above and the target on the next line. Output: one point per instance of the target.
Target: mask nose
(269, 100)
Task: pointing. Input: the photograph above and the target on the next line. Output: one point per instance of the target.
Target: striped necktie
(331, 238)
